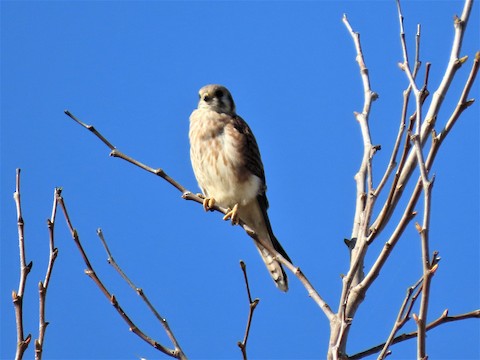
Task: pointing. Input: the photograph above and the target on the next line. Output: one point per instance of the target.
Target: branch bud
(415, 317)
(418, 227)
(463, 59)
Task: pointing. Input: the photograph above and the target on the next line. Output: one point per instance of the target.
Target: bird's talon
(232, 215)
(208, 203)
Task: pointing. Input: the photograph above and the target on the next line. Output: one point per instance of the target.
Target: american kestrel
(229, 170)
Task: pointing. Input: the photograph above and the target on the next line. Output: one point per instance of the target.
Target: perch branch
(178, 350)
(17, 296)
(252, 306)
(116, 153)
(91, 273)
(43, 287)
(188, 195)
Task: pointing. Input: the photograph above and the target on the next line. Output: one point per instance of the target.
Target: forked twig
(17, 296)
(252, 306)
(144, 297)
(91, 273)
(403, 315)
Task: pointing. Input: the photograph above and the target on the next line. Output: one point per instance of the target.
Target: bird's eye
(218, 94)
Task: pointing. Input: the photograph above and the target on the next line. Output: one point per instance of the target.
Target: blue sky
(133, 70)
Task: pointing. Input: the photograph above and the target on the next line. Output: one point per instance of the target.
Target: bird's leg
(208, 202)
(232, 214)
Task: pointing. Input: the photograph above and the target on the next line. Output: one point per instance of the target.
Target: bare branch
(91, 273)
(178, 350)
(363, 177)
(439, 95)
(17, 296)
(252, 306)
(42, 287)
(443, 319)
(463, 102)
(409, 212)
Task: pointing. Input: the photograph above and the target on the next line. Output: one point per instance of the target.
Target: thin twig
(91, 273)
(393, 162)
(144, 297)
(443, 319)
(463, 102)
(116, 153)
(43, 287)
(188, 195)
(403, 316)
(252, 306)
(17, 296)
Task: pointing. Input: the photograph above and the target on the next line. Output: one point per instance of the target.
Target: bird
(228, 167)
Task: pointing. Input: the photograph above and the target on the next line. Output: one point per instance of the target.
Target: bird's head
(216, 98)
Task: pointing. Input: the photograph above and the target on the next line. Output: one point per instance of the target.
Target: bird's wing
(251, 153)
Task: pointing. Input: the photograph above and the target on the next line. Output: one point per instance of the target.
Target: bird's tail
(274, 267)
(255, 215)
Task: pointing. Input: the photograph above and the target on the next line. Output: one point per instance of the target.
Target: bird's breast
(218, 160)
